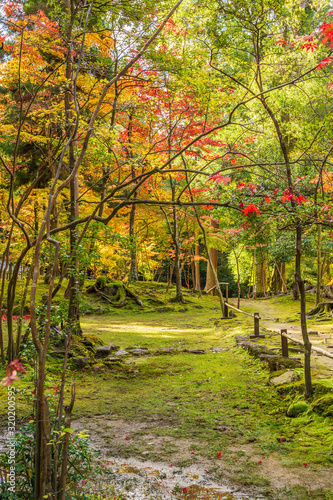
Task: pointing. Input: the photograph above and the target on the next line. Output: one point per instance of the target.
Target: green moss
(276, 374)
(324, 405)
(297, 409)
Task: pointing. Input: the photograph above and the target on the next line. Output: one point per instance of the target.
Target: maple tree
(133, 137)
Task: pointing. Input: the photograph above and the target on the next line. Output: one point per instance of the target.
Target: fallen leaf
(218, 454)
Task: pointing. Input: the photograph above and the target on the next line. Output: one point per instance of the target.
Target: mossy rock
(276, 374)
(324, 405)
(297, 409)
(323, 386)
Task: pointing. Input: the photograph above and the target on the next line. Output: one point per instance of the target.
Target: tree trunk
(178, 274)
(238, 279)
(212, 261)
(300, 283)
(197, 284)
(319, 275)
(261, 275)
(133, 276)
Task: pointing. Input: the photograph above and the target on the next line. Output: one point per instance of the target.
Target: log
(314, 348)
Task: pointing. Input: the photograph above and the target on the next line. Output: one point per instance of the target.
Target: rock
(60, 353)
(102, 351)
(286, 378)
(139, 351)
(114, 347)
(166, 350)
(313, 332)
(112, 361)
(324, 405)
(198, 307)
(195, 351)
(99, 368)
(81, 362)
(277, 362)
(183, 310)
(164, 309)
(297, 409)
(239, 339)
(121, 352)
(87, 342)
(145, 453)
(219, 349)
(256, 349)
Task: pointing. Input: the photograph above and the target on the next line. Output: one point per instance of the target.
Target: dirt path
(321, 332)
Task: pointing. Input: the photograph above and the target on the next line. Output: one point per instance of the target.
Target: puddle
(133, 479)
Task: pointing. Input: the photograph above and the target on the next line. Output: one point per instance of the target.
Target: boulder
(285, 378)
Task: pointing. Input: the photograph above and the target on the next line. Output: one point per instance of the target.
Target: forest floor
(187, 426)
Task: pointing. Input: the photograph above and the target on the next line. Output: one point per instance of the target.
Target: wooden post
(256, 324)
(284, 344)
(226, 310)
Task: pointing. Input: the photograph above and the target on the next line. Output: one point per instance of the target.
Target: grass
(216, 401)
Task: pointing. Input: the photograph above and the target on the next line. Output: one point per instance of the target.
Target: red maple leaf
(324, 62)
(251, 209)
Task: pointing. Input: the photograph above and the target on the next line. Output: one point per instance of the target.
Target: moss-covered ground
(207, 403)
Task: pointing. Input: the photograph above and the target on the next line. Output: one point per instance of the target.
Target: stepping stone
(138, 352)
(166, 350)
(121, 352)
(195, 351)
(102, 351)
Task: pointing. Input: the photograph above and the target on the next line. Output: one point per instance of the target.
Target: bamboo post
(284, 343)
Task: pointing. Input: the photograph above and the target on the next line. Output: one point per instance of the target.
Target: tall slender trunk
(178, 274)
(300, 283)
(238, 278)
(197, 284)
(134, 265)
(210, 286)
(319, 272)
